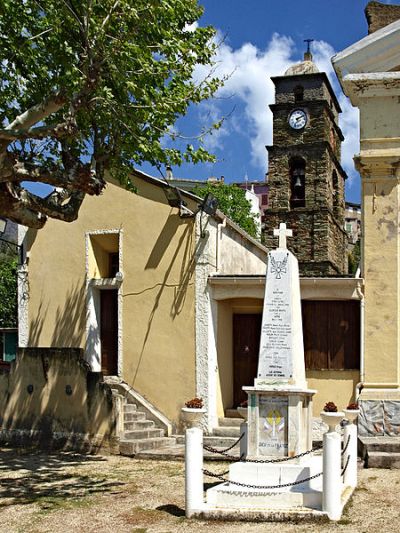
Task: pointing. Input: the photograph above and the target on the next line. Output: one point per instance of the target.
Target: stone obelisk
(280, 404)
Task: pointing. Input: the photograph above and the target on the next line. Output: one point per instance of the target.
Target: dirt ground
(69, 492)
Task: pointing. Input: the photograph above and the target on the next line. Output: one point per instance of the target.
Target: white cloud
(250, 70)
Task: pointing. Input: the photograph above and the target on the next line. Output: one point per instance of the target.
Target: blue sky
(262, 38)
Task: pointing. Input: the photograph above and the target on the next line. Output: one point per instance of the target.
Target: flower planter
(243, 412)
(332, 419)
(192, 417)
(351, 414)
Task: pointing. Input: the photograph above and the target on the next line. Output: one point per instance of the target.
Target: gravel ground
(69, 492)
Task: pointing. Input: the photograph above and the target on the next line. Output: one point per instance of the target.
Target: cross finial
(308, 54)
(282, 233)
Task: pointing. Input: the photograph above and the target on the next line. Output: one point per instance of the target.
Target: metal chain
(283, 459)
(221, 478)
(223, 452)
(278, 460)
(345, 466)
(347, 444)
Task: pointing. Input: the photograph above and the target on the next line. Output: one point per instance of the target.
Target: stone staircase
(226, 433)
(139, 433)
(380, 452)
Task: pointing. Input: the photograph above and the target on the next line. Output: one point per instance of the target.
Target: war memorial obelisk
(279, 403)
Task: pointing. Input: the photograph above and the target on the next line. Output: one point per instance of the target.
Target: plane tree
(92, 87)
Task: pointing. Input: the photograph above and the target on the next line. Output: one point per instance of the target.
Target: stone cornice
(305, 147)
(374, 166)
(378, 52)
(376, 84)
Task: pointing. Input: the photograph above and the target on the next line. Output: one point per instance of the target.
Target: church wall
(381, 205)
(157, 290)
(336, 386)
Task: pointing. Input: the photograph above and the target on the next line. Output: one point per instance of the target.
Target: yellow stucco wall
(381, 271)
(158, 289)
(332, 386)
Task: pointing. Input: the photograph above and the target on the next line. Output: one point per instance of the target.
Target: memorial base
(279, 421)
(244, 492)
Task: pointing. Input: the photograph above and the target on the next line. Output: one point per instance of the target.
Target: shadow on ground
(50, 479)
(173, 510)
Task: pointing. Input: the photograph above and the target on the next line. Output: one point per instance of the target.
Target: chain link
(347, 445)
(243, 460)
(224, 452)
(345, 466)
(263, 487)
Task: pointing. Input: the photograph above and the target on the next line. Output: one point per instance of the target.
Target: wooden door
(331, 332)
(246, 343)
(109, 332)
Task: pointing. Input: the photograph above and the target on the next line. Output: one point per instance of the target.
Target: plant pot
(243, 412)
(351, 414)
(191, 417)
(332, 419)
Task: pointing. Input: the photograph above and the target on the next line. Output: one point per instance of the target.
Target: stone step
(132, 447)
(138, 424)
(226, 432)
(230, 422)
(232, 413)
(379, 444)
(130, 417)
(139, 434)
(220, 442)
(230, 496)
(130, 408)
(382, 459)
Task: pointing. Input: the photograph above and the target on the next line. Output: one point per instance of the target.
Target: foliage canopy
(93, 86)
(232, 201)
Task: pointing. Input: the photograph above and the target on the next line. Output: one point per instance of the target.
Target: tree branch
(38, 112)
(79, 177)
(57, 131)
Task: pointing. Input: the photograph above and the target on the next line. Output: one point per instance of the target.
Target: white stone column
(193, 470)
(350, 432)
(332, 483)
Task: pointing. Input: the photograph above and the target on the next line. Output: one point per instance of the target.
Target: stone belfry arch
(306, 179)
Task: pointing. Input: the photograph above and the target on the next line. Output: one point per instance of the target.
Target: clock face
(297, 119)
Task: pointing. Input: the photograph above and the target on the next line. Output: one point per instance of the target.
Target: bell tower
(306, 179)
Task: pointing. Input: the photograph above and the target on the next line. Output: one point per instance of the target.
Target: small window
(264, 199)
(103, 260)
(298, 93)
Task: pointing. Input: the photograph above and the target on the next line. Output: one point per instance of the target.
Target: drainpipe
(360, 385)
(219, 236)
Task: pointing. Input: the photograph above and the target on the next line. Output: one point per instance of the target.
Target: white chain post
(350, 431)
(193, 470)
(332, 483)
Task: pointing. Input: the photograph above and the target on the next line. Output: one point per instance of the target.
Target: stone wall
(380, 15)
(318, 242)
(50, 398)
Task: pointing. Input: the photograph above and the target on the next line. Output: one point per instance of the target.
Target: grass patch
(139, 516)
(50, 504)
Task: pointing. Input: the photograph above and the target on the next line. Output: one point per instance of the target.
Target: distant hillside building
(353, 222)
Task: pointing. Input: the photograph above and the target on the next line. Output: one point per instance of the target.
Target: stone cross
(282, 233)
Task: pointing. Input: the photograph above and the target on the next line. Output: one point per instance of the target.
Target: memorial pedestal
(279, 421)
